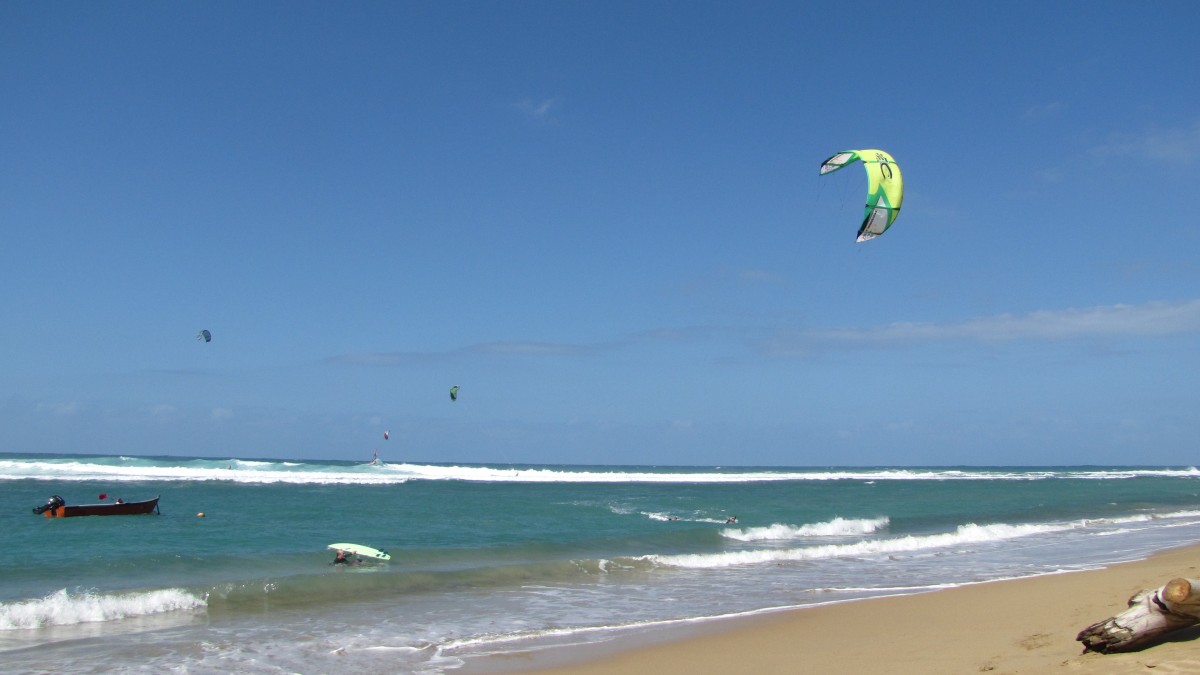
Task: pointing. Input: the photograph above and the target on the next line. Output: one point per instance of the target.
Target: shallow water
(497, 559)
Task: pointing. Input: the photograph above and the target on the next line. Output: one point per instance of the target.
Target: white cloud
(534, 348)
(541, 110)
(62, 409)
(757, 276)
(1180, 145)
(1152, 319)
(515, 348)
(682, 425)
(1147, 320)
(1042, 110)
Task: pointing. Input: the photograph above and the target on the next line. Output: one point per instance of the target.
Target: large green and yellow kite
(885, 188)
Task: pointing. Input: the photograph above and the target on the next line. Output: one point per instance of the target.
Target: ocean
(490, 560)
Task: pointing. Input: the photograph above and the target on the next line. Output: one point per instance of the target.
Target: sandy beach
(1009, 627)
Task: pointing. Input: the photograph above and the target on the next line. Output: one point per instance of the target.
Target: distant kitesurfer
(731, 519)
(375, 458)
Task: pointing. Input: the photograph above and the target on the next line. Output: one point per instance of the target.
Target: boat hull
(114, 509)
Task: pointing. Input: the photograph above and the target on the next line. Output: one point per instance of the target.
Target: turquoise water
(496, 559)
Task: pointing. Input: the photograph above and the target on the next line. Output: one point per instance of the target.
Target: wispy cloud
(541, 110)
(1043, 110)
(534, 348)
(1147, 320)
(61, 409)
(756, 276)
(515, 348)
(728, 277)
(1152, 319)
(1179, 145)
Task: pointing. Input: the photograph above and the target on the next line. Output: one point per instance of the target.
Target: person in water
(342, 559)
(731, 519)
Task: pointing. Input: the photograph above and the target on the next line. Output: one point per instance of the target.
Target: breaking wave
(63, 608)
(125, 468)
(838, 527)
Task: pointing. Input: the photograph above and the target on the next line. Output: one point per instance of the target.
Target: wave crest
(838, 527)
(63, 608)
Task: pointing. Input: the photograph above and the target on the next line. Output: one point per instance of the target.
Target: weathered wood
(1151, 615)
(1182, 592)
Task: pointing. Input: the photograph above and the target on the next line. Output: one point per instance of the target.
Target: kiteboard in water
(360, 550)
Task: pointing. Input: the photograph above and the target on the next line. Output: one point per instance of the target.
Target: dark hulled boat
(56, 507)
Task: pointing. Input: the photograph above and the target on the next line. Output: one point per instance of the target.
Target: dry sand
(1021, 626)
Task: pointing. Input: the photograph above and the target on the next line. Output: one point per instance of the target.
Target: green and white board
(364, 551)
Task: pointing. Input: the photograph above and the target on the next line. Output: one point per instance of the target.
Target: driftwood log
(1151, 615)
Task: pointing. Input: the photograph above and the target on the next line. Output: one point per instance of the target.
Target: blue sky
(603, 221)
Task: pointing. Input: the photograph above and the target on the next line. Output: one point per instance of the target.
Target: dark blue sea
(493, 560)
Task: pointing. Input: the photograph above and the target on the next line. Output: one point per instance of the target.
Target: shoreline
(1015, 627)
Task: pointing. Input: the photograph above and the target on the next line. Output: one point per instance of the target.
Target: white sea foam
(243, 472)
(965, 534)
(62, 608)
(838, 527)
(258, 471)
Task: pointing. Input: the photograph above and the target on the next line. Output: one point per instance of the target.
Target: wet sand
(1022, 626)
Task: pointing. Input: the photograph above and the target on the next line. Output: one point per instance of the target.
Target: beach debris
(1151, 615)
(885, 188)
